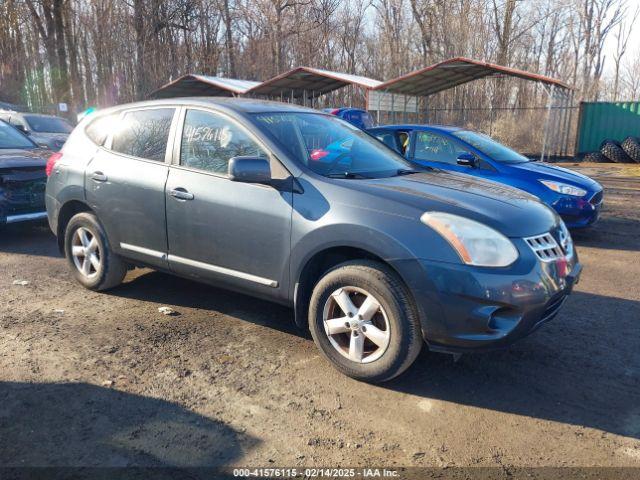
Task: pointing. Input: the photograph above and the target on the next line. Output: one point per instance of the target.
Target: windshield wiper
(345, 175)
(411, 171)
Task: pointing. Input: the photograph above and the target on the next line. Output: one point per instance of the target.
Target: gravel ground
(90, 379)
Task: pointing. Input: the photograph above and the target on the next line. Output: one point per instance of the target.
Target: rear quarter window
(144, 133)
(99, 128)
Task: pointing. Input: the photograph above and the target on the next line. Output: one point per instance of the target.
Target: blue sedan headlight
(564, 188)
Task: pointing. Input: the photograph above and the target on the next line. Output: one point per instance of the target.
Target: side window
(436, 148)
(99, 128)
(403, 140)
(210, 140)
(144, 133)
(388, 138)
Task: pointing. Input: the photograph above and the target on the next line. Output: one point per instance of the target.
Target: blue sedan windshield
(332, 147)
(11, 138)
(490, 147)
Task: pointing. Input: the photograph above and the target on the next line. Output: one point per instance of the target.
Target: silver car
(46, 130)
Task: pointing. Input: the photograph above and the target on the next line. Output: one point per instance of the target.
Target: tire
(614, 152)
(396, 319)
(631, 147)
(110, 268)
(595, 157)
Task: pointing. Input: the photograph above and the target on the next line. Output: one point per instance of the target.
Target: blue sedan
(576, 197)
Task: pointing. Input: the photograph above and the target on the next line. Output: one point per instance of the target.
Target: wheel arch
(66, 213)
(319, 263)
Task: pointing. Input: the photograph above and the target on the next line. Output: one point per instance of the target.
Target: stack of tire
(616, 152)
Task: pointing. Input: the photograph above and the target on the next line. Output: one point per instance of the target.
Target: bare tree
(622, 40)
(107, 51)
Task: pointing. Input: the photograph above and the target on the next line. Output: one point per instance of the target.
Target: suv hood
(547, 171)
(12, 158)
(512, 212)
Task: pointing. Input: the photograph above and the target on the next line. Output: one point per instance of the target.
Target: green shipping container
(600, 121)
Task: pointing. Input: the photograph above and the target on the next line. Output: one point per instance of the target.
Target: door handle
(99, 177)
(181, 194)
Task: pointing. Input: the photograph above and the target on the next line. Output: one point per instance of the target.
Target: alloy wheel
(85, 251)
(356, 324)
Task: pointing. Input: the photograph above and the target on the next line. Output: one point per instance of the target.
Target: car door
(441, 151)
(231, 233)
(125, 184)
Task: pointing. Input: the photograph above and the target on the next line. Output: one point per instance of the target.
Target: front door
(125, 184)
(440, 151)
(232, 233)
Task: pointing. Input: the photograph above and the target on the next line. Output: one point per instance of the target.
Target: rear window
(144, 133)
(44, 124)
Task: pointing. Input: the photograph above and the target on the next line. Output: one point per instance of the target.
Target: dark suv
(292, 205)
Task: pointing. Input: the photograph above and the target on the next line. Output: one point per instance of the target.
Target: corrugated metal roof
(240, 86)
(309, 81)
(203, 85)
(453, 72)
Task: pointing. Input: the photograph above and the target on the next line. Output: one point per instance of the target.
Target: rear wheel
(362, 319)
(92, 262)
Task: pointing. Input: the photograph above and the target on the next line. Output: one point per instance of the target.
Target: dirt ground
(90, 379)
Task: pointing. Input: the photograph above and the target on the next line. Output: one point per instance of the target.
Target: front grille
(22, 190)
(545, 247)
(596, 199)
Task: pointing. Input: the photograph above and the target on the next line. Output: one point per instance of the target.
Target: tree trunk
(138, 25)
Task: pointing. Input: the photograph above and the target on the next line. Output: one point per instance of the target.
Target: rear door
(125, 184)
(235, 234)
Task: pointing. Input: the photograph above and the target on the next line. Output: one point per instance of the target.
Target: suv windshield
(12, 138)
(40, 123)
(490, 147)
(332, 147)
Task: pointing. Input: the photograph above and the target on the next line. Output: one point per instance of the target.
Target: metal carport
(203, 85)
(307, 84)
(457, 71)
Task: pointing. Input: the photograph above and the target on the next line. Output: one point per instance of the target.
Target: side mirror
(250, 170)
(467, 159)
(23, 129)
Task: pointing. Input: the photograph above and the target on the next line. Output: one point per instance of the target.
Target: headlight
(564, 188)
(475, 243)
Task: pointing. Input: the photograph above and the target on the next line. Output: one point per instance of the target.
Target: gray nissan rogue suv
(375, 254)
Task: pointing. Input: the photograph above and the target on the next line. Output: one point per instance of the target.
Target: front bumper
(579, 212)
(24, 217)
(464, 308)
(22, 196)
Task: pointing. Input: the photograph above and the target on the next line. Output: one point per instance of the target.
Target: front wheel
(92, 262)
(363, 320)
